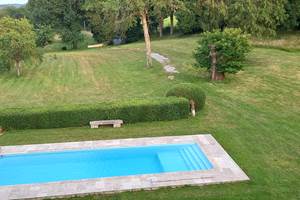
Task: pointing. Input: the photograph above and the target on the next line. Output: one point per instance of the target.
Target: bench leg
(94, 126)
(117, 125)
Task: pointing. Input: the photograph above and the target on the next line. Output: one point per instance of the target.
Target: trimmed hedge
(189, 91)
(130, 111)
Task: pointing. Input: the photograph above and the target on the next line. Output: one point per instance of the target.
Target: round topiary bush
(231, 46)
(191, 92)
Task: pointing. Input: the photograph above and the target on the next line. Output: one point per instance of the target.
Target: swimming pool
(100, 163)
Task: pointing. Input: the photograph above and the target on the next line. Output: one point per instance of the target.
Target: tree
(292, 9)
(43, 12)
(70, 22)
(17, 41)
(125, 14)
(165, 8)
(160, 10)
(258, 17)
(44, 35)
(13, 12)
(202, 15)
(222, 52)
(135, 32)
(173, 6)
(66, 17)
(102, 19)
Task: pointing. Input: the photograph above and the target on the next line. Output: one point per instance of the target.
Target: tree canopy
(66, 17)
(123, 15)
(258, 17)
(17, 41)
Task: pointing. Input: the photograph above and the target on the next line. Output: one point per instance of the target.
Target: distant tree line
(257, 17)
(131, 20)
(69, 17)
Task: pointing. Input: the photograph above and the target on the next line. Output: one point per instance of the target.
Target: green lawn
(254, 114)
(83, 77)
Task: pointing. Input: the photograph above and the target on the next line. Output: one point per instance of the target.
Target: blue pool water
(86, 164)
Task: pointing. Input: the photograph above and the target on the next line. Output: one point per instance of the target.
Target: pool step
(189, 158)
(202, 158)
(171, 161)
(190, 163)
(193, 159)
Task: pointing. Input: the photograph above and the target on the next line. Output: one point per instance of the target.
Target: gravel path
(165, 62)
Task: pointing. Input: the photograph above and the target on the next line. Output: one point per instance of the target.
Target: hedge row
(130, 111)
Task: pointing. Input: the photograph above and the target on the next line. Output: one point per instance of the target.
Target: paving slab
(165, 62)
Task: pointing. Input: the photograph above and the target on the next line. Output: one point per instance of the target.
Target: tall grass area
(254, 114)
(284, 41)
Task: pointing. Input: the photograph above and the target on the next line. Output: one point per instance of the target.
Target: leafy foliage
(13, 12)
(114, 18)
(66, 16)
(5, 64)
(259, 18)
(102, 20)
(189, 91)
(202, 15)
(43, 12)
(188, 22)
(292, 9)
(44, 35)
(17, 40)
(134, 33)
(131, 111)
(231, 45)
(256, 17)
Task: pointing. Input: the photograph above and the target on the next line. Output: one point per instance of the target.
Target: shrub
(190, 92)
(231, 46)
(131, 111)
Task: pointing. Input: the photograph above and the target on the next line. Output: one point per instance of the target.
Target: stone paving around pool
(224, 169)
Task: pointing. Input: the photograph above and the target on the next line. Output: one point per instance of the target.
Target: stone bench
(116, 123)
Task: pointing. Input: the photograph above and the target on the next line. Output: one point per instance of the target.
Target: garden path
(165, 62)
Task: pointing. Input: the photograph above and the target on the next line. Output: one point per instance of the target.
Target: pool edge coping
(224, 169)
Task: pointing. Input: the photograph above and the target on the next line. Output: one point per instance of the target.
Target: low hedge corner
(189, 91)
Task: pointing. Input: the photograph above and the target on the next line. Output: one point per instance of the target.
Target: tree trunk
(215, 75)
(193, 108)
(213, 55)
(161, 26)
(172, 23)
(220, 76)
(18, 68)
(147, 38)
(75, 44)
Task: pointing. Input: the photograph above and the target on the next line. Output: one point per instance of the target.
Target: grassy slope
(254, 114)
(83, 77)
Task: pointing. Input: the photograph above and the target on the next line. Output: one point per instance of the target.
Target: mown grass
(253, 114)
(83, 77)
